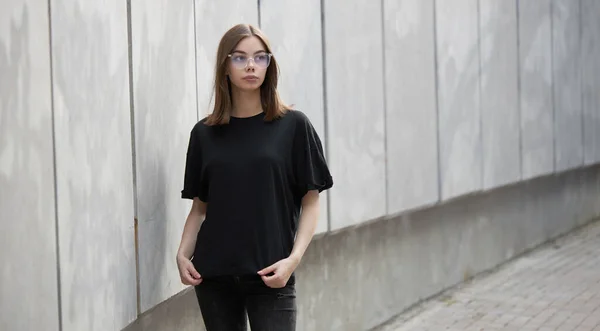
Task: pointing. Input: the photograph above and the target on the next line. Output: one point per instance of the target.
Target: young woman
(254, 170)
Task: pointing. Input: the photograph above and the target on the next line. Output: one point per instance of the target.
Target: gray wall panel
(458, 97)
(299, 54)
(356, 279)
(94, 164)
(590, 39)
(411, 120)
(213, 19)
(28, 284)
(566, 64)
(355, 110)
(535, 74)
(499, 93)
(165, 111)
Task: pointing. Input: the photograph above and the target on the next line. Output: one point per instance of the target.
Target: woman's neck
(246, 103)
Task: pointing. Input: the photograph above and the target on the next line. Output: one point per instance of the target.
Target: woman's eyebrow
(238, 51)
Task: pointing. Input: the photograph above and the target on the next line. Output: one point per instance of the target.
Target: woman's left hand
(278, 274)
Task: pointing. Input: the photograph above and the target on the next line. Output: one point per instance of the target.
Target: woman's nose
(250, 64)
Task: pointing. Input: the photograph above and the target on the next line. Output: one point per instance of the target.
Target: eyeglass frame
(270, 55)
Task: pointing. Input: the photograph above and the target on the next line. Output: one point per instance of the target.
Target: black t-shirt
(252, 174)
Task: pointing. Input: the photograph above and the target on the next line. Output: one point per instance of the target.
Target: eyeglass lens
(260, 60)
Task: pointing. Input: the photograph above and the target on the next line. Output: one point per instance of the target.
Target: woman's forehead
(249, 45)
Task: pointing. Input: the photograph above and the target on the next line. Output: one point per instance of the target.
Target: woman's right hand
(187, 272)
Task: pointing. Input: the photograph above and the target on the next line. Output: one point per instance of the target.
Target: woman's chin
(248, 86)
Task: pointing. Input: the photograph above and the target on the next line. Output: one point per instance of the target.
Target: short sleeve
(310, 167)
(194, 185)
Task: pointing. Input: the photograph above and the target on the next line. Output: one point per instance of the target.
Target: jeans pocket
(286, 295)
(285, 299)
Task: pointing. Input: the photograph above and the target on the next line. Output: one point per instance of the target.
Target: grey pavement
(554, 287)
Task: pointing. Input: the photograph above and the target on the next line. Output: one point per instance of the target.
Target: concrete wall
(411, 107)
(417, 110)
(164, 103)
(357, 279)
(590, 78)
(93, 152)
(535, 81)
(352, 39)
(28, 256)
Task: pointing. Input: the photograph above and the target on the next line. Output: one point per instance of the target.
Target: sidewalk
(556, 287)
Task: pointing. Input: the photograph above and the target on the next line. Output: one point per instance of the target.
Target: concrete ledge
(358, 278)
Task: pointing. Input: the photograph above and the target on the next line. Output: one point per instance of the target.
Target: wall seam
(554, 165)
(481, 144)
(325, 107)
(54, 170)
(196, 63)
(385, 107)
(519, 106)
(437, 102)
(258, 11)
(581, 68)
(133, 158)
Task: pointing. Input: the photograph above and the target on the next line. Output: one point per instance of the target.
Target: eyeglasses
(240, 61)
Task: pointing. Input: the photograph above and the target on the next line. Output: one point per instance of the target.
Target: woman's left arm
(283, 269)
(308, 224)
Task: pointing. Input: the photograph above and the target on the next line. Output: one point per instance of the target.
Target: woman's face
(248, 64)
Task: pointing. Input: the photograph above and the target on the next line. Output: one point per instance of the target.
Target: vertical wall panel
(535, 74)
(355, 110)
(566, 55)
(28, 285)
(590, 64)
(94, 164)
(213, 19)
(458, 97)
(164, 86)
(499, 93)
(411, 122)
(299, 54)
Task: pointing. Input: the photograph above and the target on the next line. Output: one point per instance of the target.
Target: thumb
(193, 272)
(268, 270)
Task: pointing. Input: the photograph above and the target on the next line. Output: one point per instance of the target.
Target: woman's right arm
(187, 272)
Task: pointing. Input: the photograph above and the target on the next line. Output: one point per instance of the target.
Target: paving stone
(553, 288)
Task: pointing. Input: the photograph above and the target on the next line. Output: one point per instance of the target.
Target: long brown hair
(271, 102)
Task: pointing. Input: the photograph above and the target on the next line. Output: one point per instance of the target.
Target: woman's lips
(250, 78)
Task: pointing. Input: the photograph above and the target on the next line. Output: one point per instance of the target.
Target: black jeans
(225, 301)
